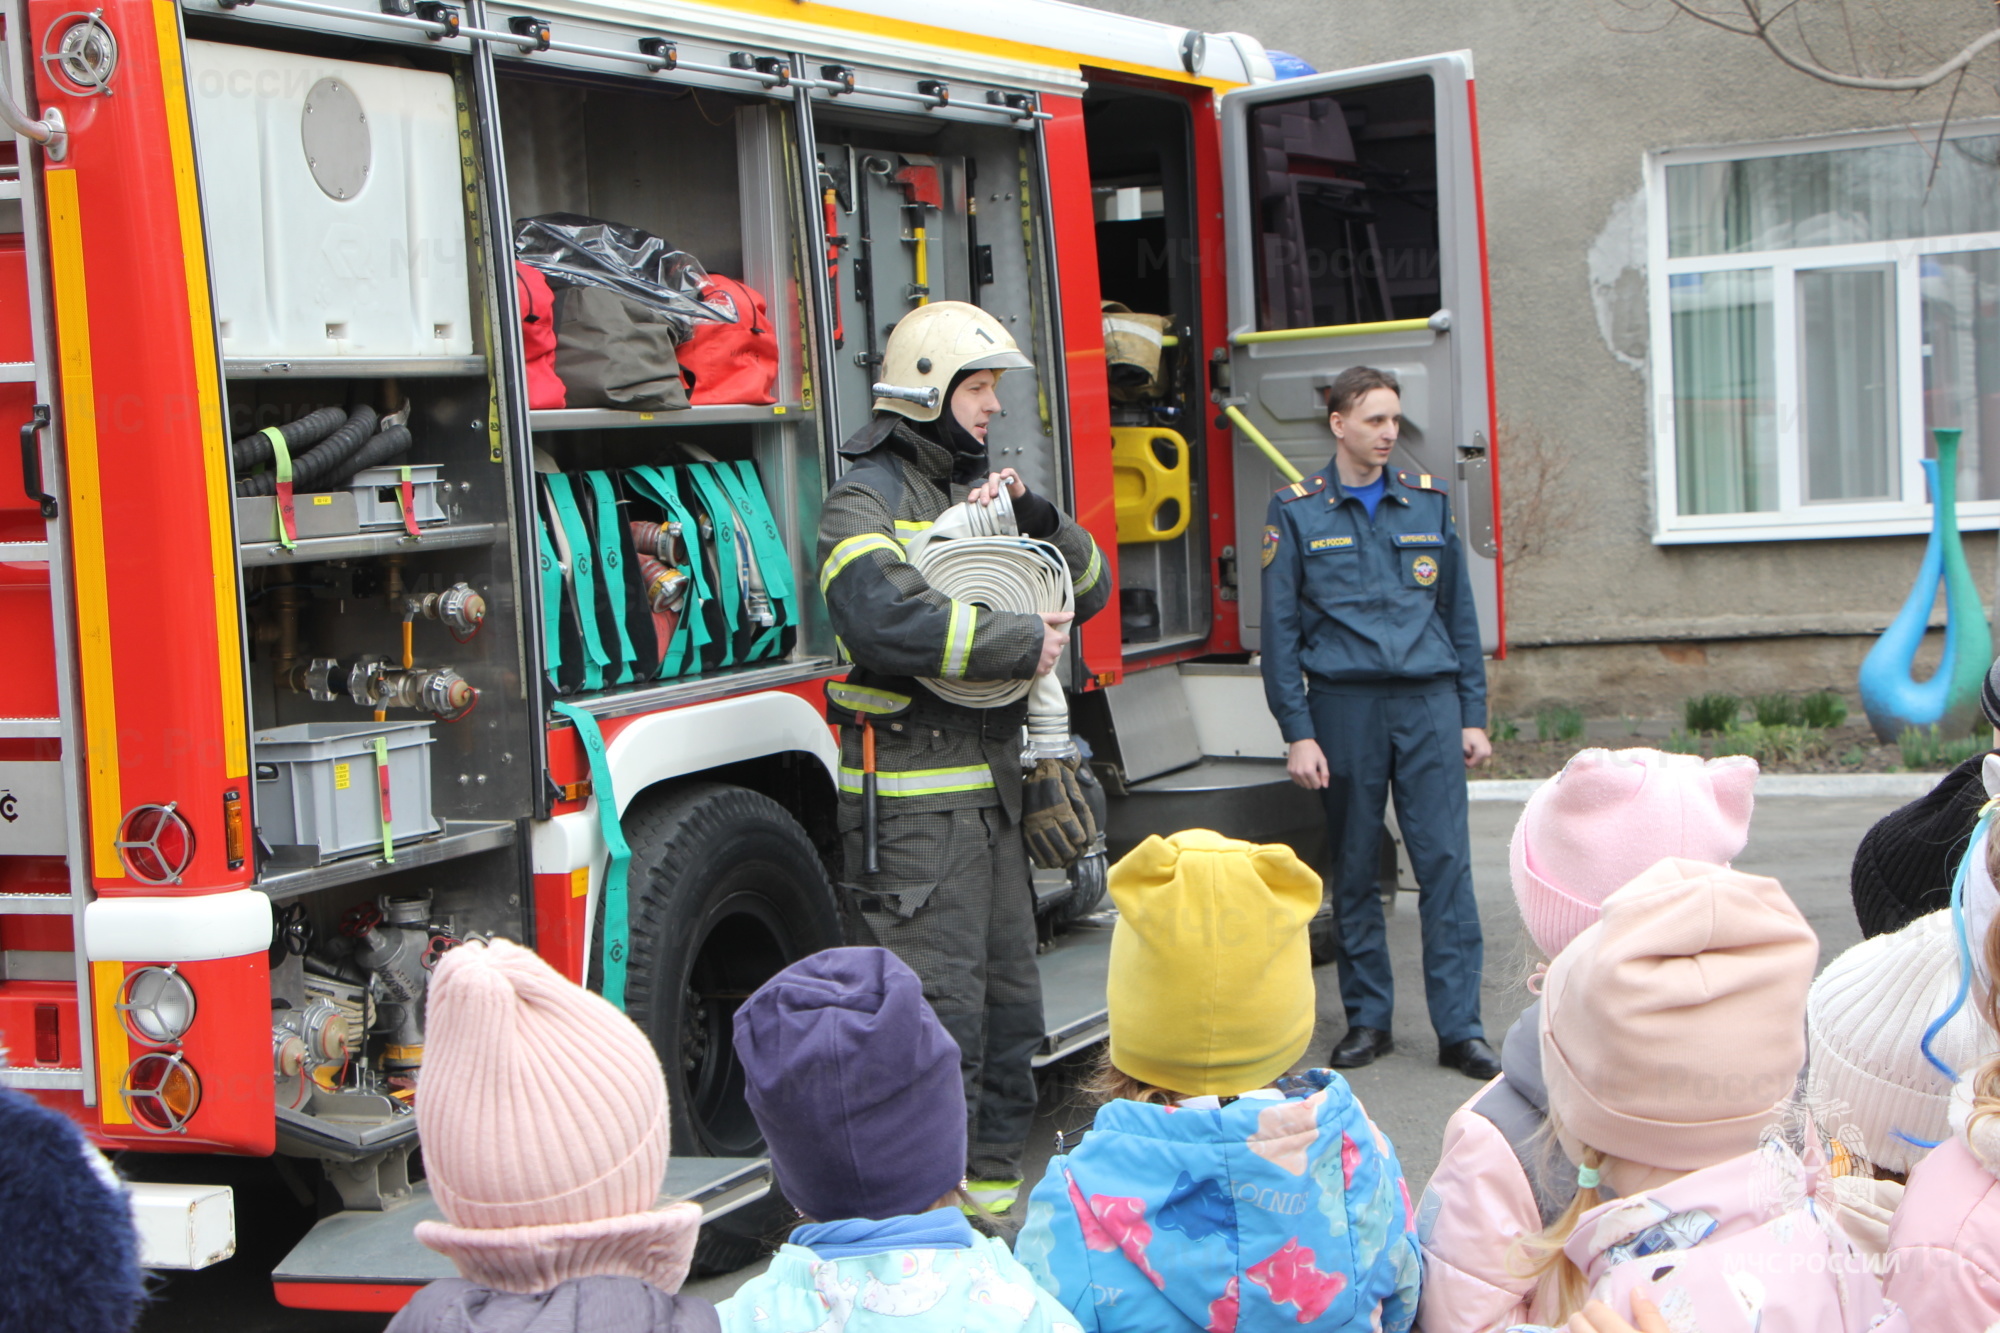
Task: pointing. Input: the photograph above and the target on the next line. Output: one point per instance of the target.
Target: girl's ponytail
(1547, 1261)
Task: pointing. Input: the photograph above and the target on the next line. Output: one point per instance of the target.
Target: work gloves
(1056, 819)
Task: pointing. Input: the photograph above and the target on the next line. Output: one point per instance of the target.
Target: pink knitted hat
(1673, 1030)
(544, 1122)
(1608, 816)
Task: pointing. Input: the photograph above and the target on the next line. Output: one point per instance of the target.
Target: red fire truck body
(269, 748)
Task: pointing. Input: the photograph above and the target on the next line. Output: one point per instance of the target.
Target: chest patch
(1419, 539)
(1425, 570)
(1319, 545)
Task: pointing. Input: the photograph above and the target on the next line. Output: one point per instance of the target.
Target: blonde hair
(1986, 1083)
(1559, 1283)
(1106, 1082)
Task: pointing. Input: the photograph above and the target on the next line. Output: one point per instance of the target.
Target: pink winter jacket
(1748, 1244)
(1478, 1203)
(1944, 1244)
(1479, 1200)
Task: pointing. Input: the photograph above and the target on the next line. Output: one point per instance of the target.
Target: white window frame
(1795, 519)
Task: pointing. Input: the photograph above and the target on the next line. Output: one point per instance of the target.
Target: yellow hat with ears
(1211, 986)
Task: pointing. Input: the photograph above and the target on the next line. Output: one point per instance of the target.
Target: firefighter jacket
(929, 754)
(1356, 604)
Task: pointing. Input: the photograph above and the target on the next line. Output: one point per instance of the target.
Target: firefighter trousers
(955, 902)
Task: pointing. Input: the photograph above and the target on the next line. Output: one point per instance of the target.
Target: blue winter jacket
(1264, 1214)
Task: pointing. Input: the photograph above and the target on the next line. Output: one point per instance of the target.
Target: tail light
(48, 1035)
(156, 844)
(156, 1005)
(161, 1092)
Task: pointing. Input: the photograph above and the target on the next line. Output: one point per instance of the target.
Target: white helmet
(932, 345)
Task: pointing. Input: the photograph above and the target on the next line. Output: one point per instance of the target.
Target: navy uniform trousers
(1405, 739)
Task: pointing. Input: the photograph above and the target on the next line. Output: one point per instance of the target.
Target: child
(71, 1261)
(544, 1122)
(1672, 1035)
(1206, 1197)
(1868, 1084)
(856, 1087)
(1944, 1243)
(1607, 817)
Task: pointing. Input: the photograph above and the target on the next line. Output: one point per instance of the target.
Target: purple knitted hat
(856, 1086)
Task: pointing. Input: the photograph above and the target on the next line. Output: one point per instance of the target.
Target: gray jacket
(580, 1305)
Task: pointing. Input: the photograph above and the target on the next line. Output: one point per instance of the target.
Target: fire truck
(333, 645)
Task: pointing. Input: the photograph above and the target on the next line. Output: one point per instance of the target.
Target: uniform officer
(1373, 668)
(951, 896)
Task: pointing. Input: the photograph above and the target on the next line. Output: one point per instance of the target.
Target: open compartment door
(1356, 237)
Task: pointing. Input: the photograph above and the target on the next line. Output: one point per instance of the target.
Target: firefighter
(1372, 665)
(950, 894)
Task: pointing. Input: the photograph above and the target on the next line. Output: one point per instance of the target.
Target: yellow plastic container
(1150, 482)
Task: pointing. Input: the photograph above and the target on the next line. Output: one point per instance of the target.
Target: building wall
(1571, 98)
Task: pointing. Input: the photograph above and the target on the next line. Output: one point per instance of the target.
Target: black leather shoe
(1360, 1047)
(1472, 1058)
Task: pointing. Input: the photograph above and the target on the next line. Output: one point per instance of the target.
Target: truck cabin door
(1351, 207)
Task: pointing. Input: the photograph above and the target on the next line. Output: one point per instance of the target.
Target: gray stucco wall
(1572, 95)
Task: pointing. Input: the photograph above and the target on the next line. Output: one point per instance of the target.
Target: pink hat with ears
(1611, 814)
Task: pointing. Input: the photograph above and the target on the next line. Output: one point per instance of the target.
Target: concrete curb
(1863, 786)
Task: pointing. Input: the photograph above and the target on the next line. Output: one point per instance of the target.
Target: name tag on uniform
(1419, 539)
(1321, 545)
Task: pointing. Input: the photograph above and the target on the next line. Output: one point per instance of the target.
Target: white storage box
(375, 500)
(317, 789)
(334, 205)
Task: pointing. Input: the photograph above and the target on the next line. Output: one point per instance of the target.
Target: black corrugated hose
(376, 452)
(320, 460)
(254, 451)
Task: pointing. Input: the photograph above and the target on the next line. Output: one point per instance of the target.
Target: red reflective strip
(375, 1297)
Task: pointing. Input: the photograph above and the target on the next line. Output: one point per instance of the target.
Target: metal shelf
(596, 418)
(349, 367)
(386, 541)
(461, 837)
(625, 700)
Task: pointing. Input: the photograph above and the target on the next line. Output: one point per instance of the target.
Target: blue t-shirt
(1371, 494)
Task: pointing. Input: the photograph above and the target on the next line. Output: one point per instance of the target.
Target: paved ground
(1805, 841)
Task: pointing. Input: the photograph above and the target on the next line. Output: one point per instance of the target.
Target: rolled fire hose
(975, 554)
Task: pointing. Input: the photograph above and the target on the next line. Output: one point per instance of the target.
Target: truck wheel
(726, 890)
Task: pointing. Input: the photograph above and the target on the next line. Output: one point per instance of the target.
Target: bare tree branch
(1755, 23)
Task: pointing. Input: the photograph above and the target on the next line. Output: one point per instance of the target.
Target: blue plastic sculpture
(1949, 700)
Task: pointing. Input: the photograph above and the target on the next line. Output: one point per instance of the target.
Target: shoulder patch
(1270, 550)
(1299, 490)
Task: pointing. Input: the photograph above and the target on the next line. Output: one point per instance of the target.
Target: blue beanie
(856, 1086)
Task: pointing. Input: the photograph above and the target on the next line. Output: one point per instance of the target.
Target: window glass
(1839, 197)
(1725, 419)
(1347, 207)
(1961, 355)
(1847, 382)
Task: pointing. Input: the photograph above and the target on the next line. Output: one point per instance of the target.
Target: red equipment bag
(538, 339)
(731, 362)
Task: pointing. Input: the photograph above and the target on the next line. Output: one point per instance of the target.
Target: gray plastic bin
(317, 790)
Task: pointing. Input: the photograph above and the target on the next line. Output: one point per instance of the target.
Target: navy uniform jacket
(1353, 603)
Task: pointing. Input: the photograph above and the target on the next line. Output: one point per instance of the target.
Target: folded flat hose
(997, 573)
(319, 460)
(255, 450)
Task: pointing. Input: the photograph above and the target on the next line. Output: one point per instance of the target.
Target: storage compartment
(333, 191)
(380, 502)
(714, 175)
(320, 792)
(1141, 167)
